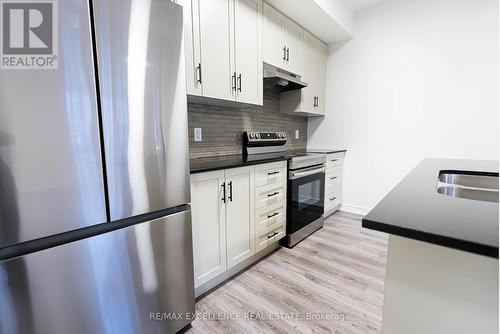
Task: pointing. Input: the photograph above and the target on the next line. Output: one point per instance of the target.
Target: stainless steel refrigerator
(95, 225)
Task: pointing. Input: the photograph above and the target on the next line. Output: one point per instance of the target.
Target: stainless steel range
(305, 197)
(305, 187)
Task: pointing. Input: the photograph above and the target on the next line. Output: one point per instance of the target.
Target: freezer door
(135, 280)
(143, 99)
(50, 163)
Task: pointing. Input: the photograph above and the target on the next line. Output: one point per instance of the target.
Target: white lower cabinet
(333, 182)
(209, 225)
(239, 214)
(228, 226)
(270, 203)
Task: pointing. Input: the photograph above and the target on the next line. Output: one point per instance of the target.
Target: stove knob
(257, 135)
(250, 135)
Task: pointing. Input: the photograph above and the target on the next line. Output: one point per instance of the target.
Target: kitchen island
(442, 263)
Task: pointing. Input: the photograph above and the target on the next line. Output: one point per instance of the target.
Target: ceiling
(329, 20)
(357, 5)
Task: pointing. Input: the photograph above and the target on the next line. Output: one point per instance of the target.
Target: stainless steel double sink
(469, 185)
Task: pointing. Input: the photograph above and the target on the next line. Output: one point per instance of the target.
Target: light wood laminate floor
(336, 275)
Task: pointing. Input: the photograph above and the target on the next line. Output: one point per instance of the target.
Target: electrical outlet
(297, 134)
(197, 134)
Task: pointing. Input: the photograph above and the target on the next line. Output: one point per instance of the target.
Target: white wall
(419, 79)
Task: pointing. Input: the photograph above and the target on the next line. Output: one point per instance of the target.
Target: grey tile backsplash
(222, 127)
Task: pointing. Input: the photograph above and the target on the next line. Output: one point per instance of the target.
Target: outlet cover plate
(197, 134)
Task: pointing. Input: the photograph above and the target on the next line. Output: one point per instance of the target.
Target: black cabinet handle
(333, 160)
(314, 101)
(317, 101)
(239, 82)
(272, 173)
(273, 215)
(234, 81)
(287, 54)
(284, 52)
(333, 178)
(230, 184)
(273, 194)
(198, 69)
(224, 192)
(333, 198)
(272, 235)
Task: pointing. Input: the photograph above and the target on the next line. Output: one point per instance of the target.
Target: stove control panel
(265, 137)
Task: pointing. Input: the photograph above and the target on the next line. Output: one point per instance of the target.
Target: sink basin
(469, 185)
(470, 193)
(474, 181)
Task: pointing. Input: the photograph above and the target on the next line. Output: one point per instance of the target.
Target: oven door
(306, 194)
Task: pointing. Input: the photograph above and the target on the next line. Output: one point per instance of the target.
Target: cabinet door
(240, 214)
(209, 225)
(216, 48)
(309, 70)
(320, 82)
(293, 41)
(248, 56)
(273, 37)
(192, 46)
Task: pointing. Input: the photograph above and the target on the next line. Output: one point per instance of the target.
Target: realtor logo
(28, 34)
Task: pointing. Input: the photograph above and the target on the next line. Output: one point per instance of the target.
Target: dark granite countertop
(324, 151)
(200, 165)
(415, 210)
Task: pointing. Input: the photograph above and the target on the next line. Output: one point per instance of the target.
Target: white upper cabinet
(293, 41)
(282, 40)
(309, 101)
(223, 49)
(216, 70)
(227, 41)
(322, 55)
(248, 51)
(274, 52)
(191, 46)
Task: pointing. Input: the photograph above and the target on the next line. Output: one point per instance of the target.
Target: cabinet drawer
(332, 199)
(269, 194)
(334, 175)
(334, 159)
(331, 187)
(270, 215)
(269, 235)
(270, 173)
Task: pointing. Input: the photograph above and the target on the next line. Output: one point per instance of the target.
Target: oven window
(309, 194)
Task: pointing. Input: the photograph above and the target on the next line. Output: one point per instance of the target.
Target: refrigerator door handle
(224, 192)
(230, 197)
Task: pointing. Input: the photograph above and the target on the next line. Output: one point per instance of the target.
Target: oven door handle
(299, 174)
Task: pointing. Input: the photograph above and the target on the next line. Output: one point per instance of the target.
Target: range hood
(274, 76)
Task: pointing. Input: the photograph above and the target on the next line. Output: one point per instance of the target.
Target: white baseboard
(357, 210)
(203, 289)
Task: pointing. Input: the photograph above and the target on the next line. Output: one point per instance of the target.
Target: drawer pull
(273, 194)
(272, 173)
(333, 198)
(272, 235)
(273, 215)
(333, 160)
(333, 178)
